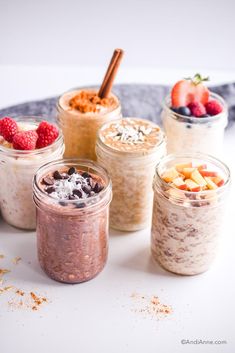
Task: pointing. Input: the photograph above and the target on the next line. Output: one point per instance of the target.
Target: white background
(180, 34)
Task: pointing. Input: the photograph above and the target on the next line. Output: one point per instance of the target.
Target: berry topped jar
(194, 118)
(26, 143)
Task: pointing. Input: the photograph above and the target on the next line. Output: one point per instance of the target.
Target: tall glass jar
(72, 236)
(132, 174)
(80, 128)
(192, 134)
(17, 168)
(186, 226)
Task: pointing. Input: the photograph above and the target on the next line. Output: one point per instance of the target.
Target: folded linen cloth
(138, 100)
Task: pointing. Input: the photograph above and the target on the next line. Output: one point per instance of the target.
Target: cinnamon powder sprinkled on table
(151, 306)
(20, 298)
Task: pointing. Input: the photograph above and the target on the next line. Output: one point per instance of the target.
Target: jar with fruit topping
(72, 199)
(17, 168)
(194, 118)
(190, 194)
(80, 114)
(129, 149)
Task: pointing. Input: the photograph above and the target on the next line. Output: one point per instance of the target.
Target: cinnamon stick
(111, 73)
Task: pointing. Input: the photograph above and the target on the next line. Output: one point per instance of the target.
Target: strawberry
(213, 107)
(47, 134)
(197, 109)
(189, 90)
(25, 140)
(8, 128)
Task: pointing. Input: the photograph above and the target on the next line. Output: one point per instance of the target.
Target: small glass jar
(186, 226)
(191, 134)
(80, 129)
(132, 176)
(17, 168)
(72, 236)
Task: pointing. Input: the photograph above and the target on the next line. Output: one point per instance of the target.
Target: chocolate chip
(77, 192)
(98, 187)
(71, 197)
(91, 183)
(71, 171)
(80, 205)
(63, 203)
(57, 175)
(85, 175)
(48, 181)
(188, 126)
(86, 189)
(50, 189)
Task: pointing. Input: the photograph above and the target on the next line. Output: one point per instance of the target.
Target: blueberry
(174, 109)
(184, 111)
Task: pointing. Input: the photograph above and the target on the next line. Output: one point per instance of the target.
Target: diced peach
(180, 167)
(179, 183)
(208, 173)
(201, 166)
(192, 186)
(187, 172)
(218, 181)
(196, 176)
(169, 175)
(210, 184)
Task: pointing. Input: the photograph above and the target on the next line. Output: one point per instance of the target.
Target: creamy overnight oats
(194, 118)
(72, 199)
(26, 143)
(80, 114)
(189, 206)
(129, 149)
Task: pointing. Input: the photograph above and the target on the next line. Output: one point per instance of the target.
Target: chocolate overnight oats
(189, 206)
(80, 114)
(72, 199)
(26, 143)
(129, 149)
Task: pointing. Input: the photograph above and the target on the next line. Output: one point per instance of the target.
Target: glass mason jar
(191, 134)
(80, 129)
(186, 226)
(17, 168)
(132, 176)
(72, 236)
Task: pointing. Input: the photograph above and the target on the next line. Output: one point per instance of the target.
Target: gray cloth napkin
(138, 100)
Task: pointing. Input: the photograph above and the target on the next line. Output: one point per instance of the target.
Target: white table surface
(100, 315)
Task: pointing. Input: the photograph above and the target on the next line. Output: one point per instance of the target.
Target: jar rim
(199, 156)
(193, 119)
(92, 89)
(134, 153)
(39, 193)
(32, 119)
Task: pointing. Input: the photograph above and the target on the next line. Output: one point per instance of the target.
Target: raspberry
(8, 128)
(25, 140)
(213, 107)
(197, 109)
(47, 134)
